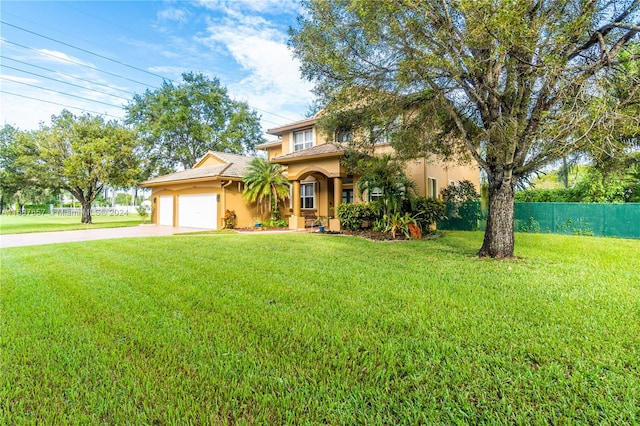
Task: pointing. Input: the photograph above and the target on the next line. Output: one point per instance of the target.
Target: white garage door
(166, 211)
(198, 211)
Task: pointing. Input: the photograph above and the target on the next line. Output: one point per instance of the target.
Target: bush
(353, 216)
(426, 211)
(229, 219)
(275, 223)
(461, 191)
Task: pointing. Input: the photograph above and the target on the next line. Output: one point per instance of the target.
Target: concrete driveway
(39, 238)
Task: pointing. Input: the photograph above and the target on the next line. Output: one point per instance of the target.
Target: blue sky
(108, 50)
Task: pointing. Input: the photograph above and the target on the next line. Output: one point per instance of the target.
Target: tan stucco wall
(330, 167)
(420, 170)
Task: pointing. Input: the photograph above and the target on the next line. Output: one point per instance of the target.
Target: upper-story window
(344, 136)
(380, 135)
(302, 139)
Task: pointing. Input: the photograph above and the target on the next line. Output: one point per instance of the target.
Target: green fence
(599, 219)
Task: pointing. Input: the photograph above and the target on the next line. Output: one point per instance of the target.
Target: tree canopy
(180, 122)
(82, 154)
(515, 85)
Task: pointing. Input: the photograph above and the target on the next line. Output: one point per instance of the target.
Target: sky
(93, 56)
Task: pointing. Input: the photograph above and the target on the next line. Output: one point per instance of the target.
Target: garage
(166, 211)
(198, 211)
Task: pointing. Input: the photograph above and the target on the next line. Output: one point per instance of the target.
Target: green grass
(320, 329)
(15, 224)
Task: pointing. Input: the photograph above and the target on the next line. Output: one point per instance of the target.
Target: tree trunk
(86, 213)
(498, 238)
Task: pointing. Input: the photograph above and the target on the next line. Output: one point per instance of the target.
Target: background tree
(516, 85)
(179, 123)
(16, 184)
(82, 154)
(265, 185)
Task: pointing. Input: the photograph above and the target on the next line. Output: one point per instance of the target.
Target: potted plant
(322, 222)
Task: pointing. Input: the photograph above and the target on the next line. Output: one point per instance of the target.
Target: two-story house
(320, 184)
(199, 197)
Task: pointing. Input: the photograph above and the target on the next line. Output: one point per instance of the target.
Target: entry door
(198, 211)
(166, 210)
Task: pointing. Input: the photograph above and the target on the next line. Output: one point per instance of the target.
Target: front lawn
(22, 224)
(320, 329)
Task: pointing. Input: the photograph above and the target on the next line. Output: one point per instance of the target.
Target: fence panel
(598, 219)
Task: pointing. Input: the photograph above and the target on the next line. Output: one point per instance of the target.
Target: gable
(208, 160)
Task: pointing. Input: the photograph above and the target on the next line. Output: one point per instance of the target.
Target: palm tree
(386, 175)
(265, 185)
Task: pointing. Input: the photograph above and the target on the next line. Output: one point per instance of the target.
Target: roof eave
(306, 157)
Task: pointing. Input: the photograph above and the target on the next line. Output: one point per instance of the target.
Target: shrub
(352, 216)
(426, 211)
(462, 205)
(275, 223)
(398, 223)
(229, 219)
(461, 191)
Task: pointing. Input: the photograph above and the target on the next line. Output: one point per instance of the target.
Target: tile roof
(235, 166)
(324, 149)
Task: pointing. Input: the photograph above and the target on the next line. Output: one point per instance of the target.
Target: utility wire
(64, 82)
(114, 60)
(104, 57)
(75, 62)
(65, 93)
(67, 75)
(83, 50)
(57, 103)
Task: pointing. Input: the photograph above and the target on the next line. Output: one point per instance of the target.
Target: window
(347, 196)
(375, 194)
(380, 135)
(344, 136)
(302, 139)
(432, 187)
(307, 198)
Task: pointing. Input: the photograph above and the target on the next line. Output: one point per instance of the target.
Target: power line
(84, 50)
(57, 103)
(64, 82)
(67, 75)
(75, 62)
(72, 36)
(116, 61)
(66, 94)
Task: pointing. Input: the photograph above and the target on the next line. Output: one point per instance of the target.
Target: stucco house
(200, 196)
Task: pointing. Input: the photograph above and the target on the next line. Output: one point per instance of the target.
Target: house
(199, 197)
(319, 182)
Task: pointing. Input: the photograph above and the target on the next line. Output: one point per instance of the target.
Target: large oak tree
(179, 122)
(514, 84)
(82, 154)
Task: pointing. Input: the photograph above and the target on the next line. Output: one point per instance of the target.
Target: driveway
(39, 238)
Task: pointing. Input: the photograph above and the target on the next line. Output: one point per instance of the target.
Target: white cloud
(173, 14)
(18, 79)
(273, 81)
(256, 6)
(56, 56)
